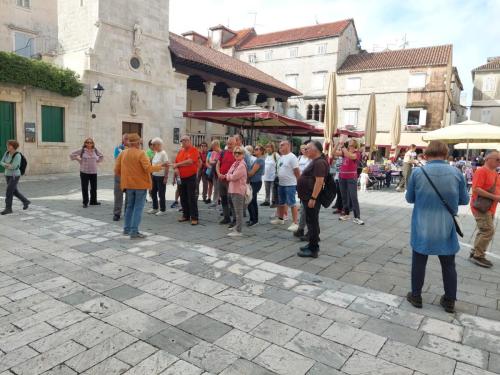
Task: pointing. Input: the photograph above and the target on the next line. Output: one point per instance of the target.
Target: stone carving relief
(137, 37)
(147, 69)
(134, 101)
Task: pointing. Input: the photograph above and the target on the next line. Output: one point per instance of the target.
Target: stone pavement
(77, 297)
(376, 255)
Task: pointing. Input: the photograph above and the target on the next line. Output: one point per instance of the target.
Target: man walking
(408, 162)
(225, 161)
(186, 167)
(117, 190)
(485, 185)
(134, 169)
(309, 186)
(288, 172)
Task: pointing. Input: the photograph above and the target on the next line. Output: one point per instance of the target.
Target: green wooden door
(6, 126)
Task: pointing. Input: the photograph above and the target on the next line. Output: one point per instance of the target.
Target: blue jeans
(133, 213)
(286, 195)
(253, 208)
(448, 270)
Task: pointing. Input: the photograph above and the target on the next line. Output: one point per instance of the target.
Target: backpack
(24, 163)
(329, 191)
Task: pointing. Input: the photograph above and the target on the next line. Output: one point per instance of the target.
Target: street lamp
(98, 90)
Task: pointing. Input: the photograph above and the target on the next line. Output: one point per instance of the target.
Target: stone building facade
(486, 96)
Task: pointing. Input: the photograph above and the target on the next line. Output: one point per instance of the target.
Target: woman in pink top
(237, 177)
(348, 180)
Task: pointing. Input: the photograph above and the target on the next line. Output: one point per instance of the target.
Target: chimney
(195, 37)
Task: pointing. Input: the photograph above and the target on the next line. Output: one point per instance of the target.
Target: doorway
(7, 126)
(132, 127)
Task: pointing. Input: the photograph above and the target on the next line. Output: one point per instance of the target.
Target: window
(252, 58)
(24, 3)
(489, 84)
(269, 54)
(416, 117)
(353, 84)
(322, 114)
(318, 82)
(417, 81)
(321, 49)
(316, 112)
(486, 115)
(52, 124)
(294, 51)
(291, 80)
(309, 113)
(351, 117)
(24, 44)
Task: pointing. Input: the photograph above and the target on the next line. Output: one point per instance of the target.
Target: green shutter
(6, 126)
(52, 124)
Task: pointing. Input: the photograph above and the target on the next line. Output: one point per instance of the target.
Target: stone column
(271, 102)
(233, 92)
(285, 107)
(252, 98)
(209, 89)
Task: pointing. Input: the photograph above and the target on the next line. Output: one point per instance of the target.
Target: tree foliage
(23, 71)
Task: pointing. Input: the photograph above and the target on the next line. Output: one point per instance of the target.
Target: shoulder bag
(448, 208)
(483, 204)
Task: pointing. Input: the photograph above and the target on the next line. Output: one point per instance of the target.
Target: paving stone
(373, 295)
(244, 367)
(283, 361)
(174, 314)
(337, 298)
(60, 370)
(162, 288)
(49, 359)
(79, 297)
(16, 357)
(277, 294)
(110, 366)
(416, 359)
(321, 369)
(259, 276)
(464, 369)
(19, 339)
(402, 317)
(479, 323)
(147, 303)
(481, 340)
(67, 319)
(275, 332)
(240, 298)
(136, 323)
(341, 315)
(308, 290)
(243, 344)
(173, 340)
(153, 364)
(309, 304)
(362, 363)
(393, 331)
(41, 316)
(494, 363)
(294, 317)
(100, 352)
(135, 353)
(198, 302)
(442, 329)
(123, 292)
(205, 328)
(368, 307)
(182, 368)
(355, 338)
(101, 307)
(235, 316)
(209, 357)
(320, 349)
(201, 285)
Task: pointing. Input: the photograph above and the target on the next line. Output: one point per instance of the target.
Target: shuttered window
(52, 124)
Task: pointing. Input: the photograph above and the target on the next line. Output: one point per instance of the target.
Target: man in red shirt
(186, 167)
(485, 184)
(225, 161)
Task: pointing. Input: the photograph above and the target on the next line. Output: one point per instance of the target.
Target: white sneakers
(344, 217)
(293, 227)
(234, 234)
(278, 221)
(152, 211)
(358, 221)
(160, 213)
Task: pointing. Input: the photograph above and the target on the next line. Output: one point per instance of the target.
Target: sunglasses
(89, 142)
(238, 153)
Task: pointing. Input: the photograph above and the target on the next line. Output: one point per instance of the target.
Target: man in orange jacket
(134, 169)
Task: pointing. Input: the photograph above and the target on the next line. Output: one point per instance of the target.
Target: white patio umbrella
(331, 113)
(477, 146)
(395, 133)
(371, 125)
(465, 132)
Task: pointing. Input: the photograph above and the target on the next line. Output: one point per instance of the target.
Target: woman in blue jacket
(11, 161)
(432, 226)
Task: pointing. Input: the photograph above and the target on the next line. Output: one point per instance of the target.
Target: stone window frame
(252, 58)
(344, 117)
(268, 55)
(321, 48)
(483, 115)
(25, 4)
(30, 36)
(41, 101)
(294, 75)
(293, 52)
(489, 84)
(141, 64)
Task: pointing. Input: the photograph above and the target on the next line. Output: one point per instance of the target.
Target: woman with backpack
(12, 162)
(88, 157)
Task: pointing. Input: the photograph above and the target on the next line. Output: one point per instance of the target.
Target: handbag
(248, 195)
(483, 204)
(448, 208)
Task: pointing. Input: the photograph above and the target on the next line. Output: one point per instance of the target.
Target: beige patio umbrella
(395, 133)
(331, 114)
(371, 125)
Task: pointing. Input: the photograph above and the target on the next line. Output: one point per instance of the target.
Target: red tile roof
(297, 35)
(491, 65)
(241, 37)
(400, 59)
(186, 50)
